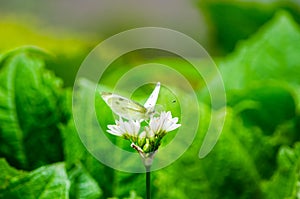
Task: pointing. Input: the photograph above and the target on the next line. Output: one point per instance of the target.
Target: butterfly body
(129, 109)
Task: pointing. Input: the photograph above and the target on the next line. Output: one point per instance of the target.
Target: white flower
(162, 124)
(145, 139)
(124, 128)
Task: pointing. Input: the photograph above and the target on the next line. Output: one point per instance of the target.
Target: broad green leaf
(76, 153)
(7, 173)
(272, 54)
(261, 148)
(262, 75)
(285, 182)
(265, 106)
(32, 106)
(48, 182)
(233, 21)
(82, 184)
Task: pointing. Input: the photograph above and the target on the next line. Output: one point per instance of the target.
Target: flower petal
(163, 123)
(123, 127)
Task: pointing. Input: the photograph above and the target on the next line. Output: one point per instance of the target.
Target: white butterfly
(130, 109)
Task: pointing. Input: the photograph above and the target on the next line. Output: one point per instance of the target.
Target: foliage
(257, 155)
(45, 182)
(286, 175)
(32, 105)
(240, 18)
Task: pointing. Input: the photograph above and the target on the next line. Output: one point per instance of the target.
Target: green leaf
(32, 106)
(262, 76)
(7, 173)
(285, 182)
(261, 148)
(76, 153)
(82, 184)
(231, 164)
(233, 21)
(265, 106)
(48, 182)
(270, 55)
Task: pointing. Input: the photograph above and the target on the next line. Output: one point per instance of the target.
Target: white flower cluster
(147, 138)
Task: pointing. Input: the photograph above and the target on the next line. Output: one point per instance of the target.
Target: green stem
(148, 184)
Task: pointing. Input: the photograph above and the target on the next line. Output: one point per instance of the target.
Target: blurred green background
(255, 45)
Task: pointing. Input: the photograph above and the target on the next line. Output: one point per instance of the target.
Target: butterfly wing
(151, 101)
(124, 107)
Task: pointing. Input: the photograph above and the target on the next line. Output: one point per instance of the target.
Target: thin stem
(148, 184)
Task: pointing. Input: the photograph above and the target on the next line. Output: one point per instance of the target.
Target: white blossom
(124, 128)
(162, 124)
(146, 139)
